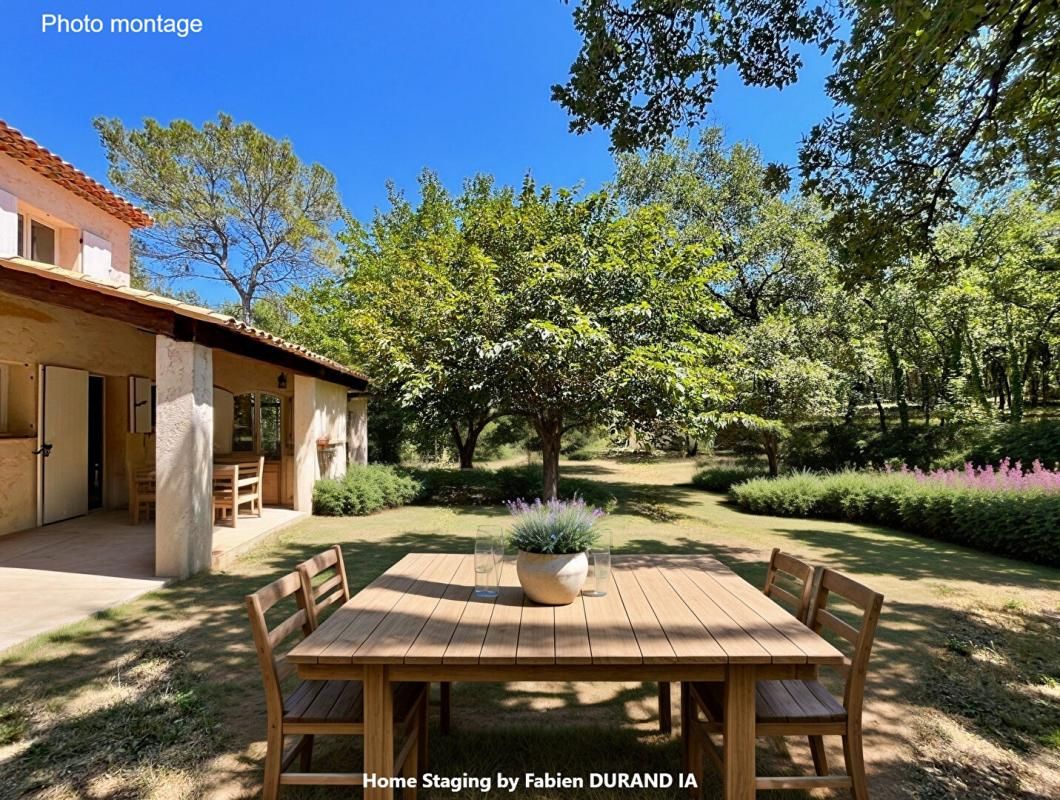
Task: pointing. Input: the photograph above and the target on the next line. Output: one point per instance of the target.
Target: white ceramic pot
(552, 580)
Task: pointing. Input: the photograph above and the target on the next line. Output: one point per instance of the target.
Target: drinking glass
(600, 560)
(489, 550)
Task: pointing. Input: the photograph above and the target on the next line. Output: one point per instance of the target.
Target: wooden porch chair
(322, 592)
(783, 566)
(804, 707)
(797, 572)
(236, 485)
(141, 494)
(315, 708)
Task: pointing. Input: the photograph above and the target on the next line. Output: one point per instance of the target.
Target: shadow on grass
(190, 686)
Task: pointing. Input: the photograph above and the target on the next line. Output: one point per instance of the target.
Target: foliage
(566, 311)
(772, 275)
(556, 527)
(230, 203)
(364, 489)
(1022, 524)
(721, 479)
(1007, 476)
(930, 98)
(480, 486)
(646, 65)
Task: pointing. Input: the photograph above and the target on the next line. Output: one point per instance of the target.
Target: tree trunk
(898, 378)
(772, 447)
(879, 406)
(691, 446)
(550, 431)
(465, 445)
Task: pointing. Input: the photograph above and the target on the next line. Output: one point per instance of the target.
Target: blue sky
(371, 90)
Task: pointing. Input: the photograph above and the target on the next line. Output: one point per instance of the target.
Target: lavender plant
(557, 527)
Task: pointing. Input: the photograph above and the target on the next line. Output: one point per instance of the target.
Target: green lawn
(161, 697)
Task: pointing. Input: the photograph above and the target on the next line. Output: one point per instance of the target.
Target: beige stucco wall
(66, 211)
(34, 334)
(18, 485)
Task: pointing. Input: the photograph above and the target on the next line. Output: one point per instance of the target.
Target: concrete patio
(84, 565)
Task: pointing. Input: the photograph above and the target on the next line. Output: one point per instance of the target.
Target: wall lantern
(281, 381)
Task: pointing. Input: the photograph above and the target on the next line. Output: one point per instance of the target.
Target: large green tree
(230, 203)
(930, 96)
(771, 271)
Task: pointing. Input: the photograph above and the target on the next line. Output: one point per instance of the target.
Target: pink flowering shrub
(1003, 510)
(1007, 476)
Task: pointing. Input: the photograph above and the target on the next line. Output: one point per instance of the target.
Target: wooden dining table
(666, 618)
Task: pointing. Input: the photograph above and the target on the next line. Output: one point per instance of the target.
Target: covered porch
(101, 381)
(85, 565)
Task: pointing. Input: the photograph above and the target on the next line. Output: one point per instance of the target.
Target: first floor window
(41, 243)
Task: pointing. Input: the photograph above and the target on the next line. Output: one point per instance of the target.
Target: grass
(161, 697)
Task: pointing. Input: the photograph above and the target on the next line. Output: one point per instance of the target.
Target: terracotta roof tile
(44, 162)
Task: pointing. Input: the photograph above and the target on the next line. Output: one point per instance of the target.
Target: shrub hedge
(721, 479)
(1023, 524)
(364, 490)
(493, 486)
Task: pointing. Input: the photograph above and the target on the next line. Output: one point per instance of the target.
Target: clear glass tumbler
(489, 550)
(600, 561)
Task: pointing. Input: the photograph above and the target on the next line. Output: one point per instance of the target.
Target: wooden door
(64, 444)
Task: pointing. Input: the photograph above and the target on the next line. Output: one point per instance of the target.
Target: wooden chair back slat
(800, 573)
(869, 603)
(335, 589)
(275, 668)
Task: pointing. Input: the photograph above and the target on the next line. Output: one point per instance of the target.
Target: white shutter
(95, 256)
(8, 225)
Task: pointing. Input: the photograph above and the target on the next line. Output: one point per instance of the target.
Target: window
(257, 424)
(37, 240)
(41, 243)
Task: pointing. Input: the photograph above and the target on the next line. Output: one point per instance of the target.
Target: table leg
(739, 733)
(378, 730)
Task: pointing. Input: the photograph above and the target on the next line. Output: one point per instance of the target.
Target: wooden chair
(315, 708)
(141, 494)
(322, 593)
(781, 565)
(804, 707)
(236, 485)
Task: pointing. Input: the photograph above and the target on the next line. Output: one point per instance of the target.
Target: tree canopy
(230, 203)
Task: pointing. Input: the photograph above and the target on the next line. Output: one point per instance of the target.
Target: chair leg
(820, 757)
(666, 724)
(306, 756)
(444, 698)
(273, 765)
(411, 770)
(422, 723)
(686, 729)
(855, 762)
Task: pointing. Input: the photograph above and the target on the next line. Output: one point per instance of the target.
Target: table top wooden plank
(354, 621)
(572, 634)
(654, 646)
(690, 639)
(502, 636)
(739, 645)
(391, 640)
(817, 649)
(611, 636)
(537, 634)
(434, 638)
(660, 609)
(780, 648)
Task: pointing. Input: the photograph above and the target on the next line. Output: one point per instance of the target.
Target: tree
(931, 98)
(648, 65)
(771, 271)
(606, 320)
(415, 308)
(230, 203)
